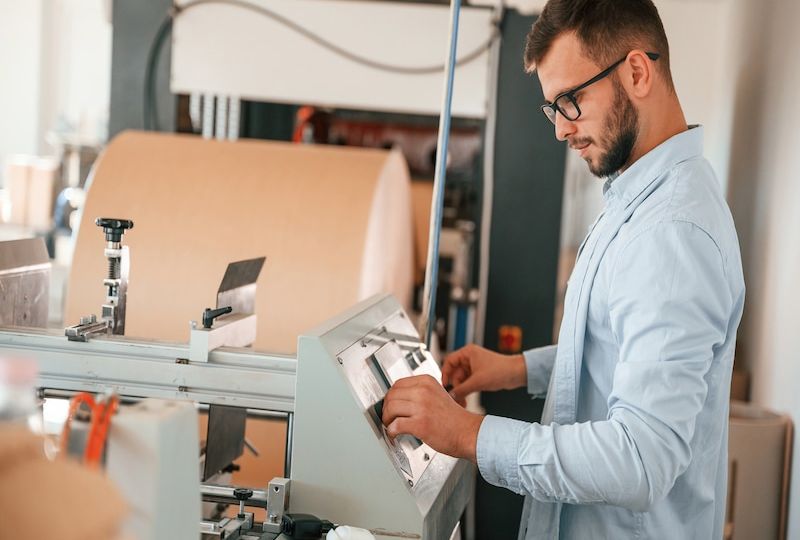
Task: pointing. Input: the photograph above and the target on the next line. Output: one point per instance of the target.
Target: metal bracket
(277, 504)
(232, 330)
(87, 328)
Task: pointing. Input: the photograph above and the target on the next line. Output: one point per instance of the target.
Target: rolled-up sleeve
(539, 365)
(669, 307)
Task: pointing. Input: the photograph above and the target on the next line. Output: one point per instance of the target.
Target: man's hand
(473, 369)
(419, 406)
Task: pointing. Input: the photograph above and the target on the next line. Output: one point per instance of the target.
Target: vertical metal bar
(208, 116)
(432, 267)
(287, 463)
(488, 186)
(234, 116)
(221, 129)
(195, 105)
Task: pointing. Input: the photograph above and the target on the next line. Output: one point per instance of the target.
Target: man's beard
(622, 130)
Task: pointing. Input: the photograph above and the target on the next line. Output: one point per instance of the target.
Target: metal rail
(139, 369)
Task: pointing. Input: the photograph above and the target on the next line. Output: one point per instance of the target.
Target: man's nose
(564, 127)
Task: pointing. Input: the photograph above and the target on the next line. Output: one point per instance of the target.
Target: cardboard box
(759, 456)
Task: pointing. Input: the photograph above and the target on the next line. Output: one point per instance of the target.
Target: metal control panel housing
(344, 467)
(372, 365)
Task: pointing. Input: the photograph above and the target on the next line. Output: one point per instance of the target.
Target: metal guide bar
(235, 377)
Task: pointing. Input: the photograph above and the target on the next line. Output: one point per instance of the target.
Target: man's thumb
(464, 389)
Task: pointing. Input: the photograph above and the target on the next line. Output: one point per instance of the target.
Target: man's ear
(639, 73)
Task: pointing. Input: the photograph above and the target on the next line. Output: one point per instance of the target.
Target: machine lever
(210, 314)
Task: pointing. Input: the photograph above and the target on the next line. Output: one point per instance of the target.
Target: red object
(304, 115)
(101, 413)
(509, 339)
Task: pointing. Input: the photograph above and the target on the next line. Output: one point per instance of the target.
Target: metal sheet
(24, 283)
(224, 438)
(238, 287)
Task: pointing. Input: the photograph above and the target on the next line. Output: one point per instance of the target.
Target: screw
(426, 457)
(410, 483)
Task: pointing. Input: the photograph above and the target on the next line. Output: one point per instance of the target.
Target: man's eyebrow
(560, 92)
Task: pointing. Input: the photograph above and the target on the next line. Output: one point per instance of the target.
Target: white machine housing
(344, 467)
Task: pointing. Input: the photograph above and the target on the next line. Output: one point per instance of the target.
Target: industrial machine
(340, 466)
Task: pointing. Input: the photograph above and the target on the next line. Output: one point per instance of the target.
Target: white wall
(55, 64)
(20, 53)
(765, 198)
(76, 68)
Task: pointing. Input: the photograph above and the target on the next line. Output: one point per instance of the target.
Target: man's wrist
(519, 377)
(470, 441)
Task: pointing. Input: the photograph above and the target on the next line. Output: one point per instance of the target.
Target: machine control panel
(372, 365)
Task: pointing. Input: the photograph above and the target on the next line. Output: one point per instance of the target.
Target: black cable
(333, 47)
(150, 107)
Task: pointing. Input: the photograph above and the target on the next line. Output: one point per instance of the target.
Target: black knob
(114, 228)
(242, 494)
(210, 314)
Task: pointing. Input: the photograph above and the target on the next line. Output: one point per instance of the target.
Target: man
(633, 439)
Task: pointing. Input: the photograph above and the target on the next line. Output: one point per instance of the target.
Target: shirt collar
(625, 187)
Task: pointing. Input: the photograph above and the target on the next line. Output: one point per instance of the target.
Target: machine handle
(210, 314)
(242, 494)
(114, 227)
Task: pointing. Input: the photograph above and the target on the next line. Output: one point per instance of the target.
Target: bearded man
(633, 439)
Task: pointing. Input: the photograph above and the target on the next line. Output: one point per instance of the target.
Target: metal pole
(432, 267)
(224, 494)
(287, 461)
(488, 184)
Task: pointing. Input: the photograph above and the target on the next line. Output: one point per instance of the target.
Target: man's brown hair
(607, 30)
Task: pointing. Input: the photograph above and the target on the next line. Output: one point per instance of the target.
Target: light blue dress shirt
(633, 440)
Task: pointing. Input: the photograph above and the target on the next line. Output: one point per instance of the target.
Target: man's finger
(396, 408)
(407, 393)
(460, 392)
(401, 426)
(448, 365)
(411, 382)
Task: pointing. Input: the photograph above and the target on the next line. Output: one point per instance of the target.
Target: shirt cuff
(497, 451)
(539, 365)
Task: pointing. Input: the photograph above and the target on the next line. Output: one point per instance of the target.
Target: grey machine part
(24, 283)
(226, 425)
(344, 466)
(112, 318)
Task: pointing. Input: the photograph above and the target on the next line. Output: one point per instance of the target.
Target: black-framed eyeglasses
(565, 102)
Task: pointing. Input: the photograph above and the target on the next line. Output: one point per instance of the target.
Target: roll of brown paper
(334, 223)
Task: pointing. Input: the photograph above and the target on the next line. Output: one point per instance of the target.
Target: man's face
(606, 132)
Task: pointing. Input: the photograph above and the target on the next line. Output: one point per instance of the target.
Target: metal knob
(242, 494)
(114, 227)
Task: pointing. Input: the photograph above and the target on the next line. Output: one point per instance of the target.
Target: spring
(113, 268)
